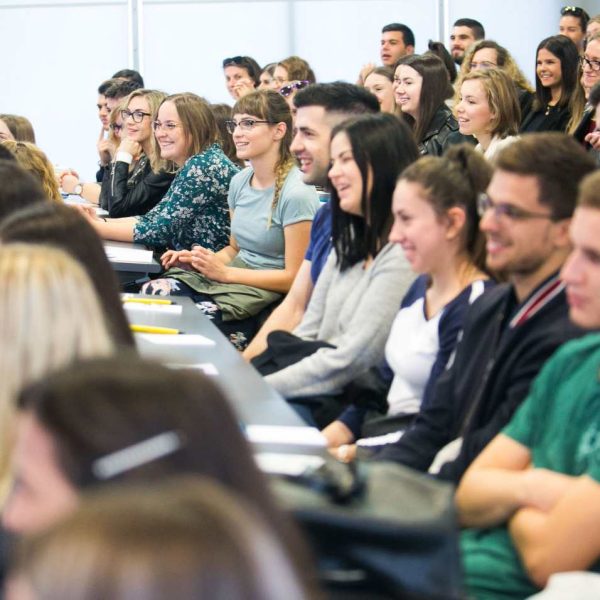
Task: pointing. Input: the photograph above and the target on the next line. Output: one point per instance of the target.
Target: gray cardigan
(353, 311)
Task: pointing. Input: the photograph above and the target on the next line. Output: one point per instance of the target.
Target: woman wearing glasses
(194, 209)
(559, 101)
(271, 214)
(422, 86)
(137, 179)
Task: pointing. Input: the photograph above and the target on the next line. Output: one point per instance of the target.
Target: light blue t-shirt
(263, 247)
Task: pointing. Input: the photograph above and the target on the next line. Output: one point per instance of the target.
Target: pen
(152, 329)
(147, 301)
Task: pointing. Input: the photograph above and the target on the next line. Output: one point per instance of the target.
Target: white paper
(287, 464)
(207, 368)
(164, 309)
(168, 339)
(130, 255)
(281, 434)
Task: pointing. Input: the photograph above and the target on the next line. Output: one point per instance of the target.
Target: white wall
(54, 54)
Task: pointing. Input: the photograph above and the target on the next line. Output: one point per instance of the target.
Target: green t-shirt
(560, 423)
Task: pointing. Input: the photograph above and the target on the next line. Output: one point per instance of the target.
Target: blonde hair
(32, 159)
(502, 100)
(270, 106)
(188, 537)
(154, 98)
(49, 315)
(505, 62)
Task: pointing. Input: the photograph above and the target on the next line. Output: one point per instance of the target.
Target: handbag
(378, 528)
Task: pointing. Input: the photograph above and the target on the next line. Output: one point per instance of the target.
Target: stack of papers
(127, 255)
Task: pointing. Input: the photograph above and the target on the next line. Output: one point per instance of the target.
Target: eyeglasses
(116, 128)
(484, 64)
(286, 90)
(504, 210)
(136, 115)
(594, 65)
(244, 124)
(168, 126)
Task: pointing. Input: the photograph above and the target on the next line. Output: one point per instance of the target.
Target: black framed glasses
(244, 124)
(136, 115)
(506, 211)
(594, 65)
(286, 90)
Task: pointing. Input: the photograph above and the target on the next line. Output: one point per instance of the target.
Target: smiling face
(581, 272)
(174, 143)
(5, 133)
(41, 493)
(260, 140)
(423, 236)
(383, 89)
(393, 48)
(233, 76)
(473, 111)
(589, 77)
(345, 175)
(407, 90)
(310, 145)
(571, 27)
(139, 132)
(460, 39)
(548, 69)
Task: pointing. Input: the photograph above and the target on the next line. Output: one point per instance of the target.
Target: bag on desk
(385, 529)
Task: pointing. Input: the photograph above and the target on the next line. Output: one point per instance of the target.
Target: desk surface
(255, 402)
(74, 200)
(126, 265)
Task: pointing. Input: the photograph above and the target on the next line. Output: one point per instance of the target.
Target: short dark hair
(578, 13)
(18, 188)
(105, 85)
(131, 75)
(382, 146)
(121, 89)
(475, 26)
(557, 160)
(60, 226)
(339, 96)
(407, 33)
(245, 62)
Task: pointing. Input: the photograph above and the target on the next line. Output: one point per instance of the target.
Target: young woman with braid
(271, 214)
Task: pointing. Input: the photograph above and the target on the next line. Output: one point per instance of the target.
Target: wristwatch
(78, 189)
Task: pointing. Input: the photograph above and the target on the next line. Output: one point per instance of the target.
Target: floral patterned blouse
(194, 210)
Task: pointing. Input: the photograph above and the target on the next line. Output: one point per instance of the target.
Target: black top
(437, 138)
(125, 194)
(550, 118)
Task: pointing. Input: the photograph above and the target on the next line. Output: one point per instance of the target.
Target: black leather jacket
(435, 141)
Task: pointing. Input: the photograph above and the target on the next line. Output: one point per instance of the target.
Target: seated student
(33, 160)
(488, 110)
(49, 315)
(380, 82)
(223, 114)
(573, 24)
(18, 188)
(271, 213)
(267, 81)
(587, 129)
(186, 538)
(559, 101)
(137, 180)
(19, 128)
(61, 227)
(465, 32)
(103, 145)
(194, 209)
(107, 424)
(292, 74)
(514, 328)
(422, 86)
(593, 27)
(319, 108)
(119, 91)
(487, 54)
(437, 226)
(357, 295)
(532, 497)
(242, 75)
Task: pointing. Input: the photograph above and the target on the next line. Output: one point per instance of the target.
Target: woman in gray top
(360, 288)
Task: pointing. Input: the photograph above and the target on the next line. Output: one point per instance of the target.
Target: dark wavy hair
(382, 146)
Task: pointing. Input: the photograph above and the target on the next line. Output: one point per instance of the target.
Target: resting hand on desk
(171, 258)
(89, 212)
(208, 263)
